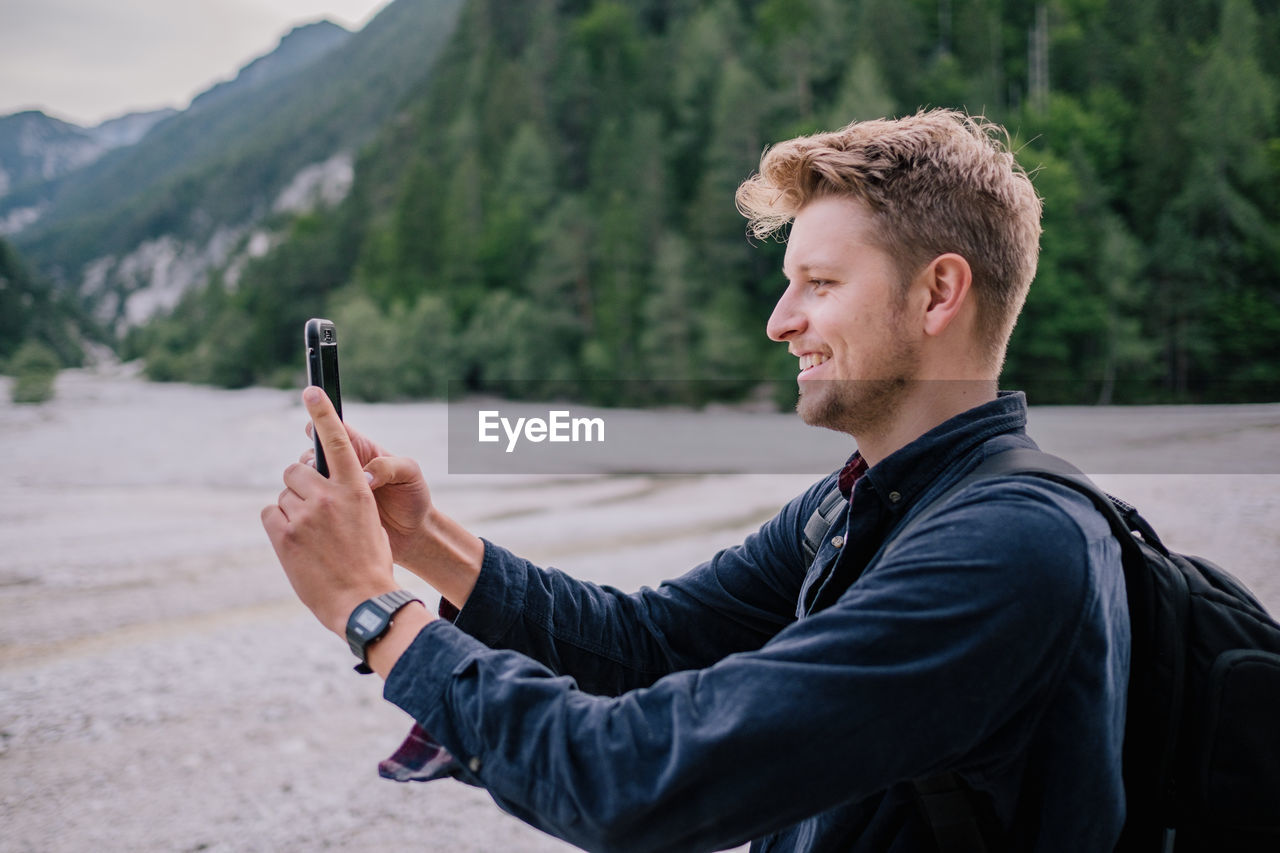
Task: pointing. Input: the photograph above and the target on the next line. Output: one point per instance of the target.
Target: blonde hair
(936, 182)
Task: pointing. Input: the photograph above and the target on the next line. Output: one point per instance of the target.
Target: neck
(923, 405)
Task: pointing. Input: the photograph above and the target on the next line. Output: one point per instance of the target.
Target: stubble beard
(862, 407)
(858, 407)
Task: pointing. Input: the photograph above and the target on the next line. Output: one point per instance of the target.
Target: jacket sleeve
(946, 641)
(611, 642)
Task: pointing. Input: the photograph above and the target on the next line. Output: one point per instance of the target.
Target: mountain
(129, 128)
(298, 48)
(538, 201)
(36, 149)
(140, 226)
(554, 211)
(54, 196)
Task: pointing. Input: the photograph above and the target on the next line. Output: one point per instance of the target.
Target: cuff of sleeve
(497, 599)
(419, 681)
(419, 684)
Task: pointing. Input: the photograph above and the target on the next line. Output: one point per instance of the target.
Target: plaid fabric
(421, 759)
(849, 475)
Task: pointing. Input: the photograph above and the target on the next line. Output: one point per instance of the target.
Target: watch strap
(389, 603)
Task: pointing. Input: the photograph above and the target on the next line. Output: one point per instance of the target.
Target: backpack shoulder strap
(821, 521)
(945, 800)
(1123, 517)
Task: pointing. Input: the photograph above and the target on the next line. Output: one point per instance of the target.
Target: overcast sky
(88, 60)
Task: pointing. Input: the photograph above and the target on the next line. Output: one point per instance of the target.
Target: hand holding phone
(321, 341)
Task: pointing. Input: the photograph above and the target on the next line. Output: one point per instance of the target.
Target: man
(763, 696)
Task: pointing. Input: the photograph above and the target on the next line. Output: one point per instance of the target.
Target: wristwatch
(370, 620)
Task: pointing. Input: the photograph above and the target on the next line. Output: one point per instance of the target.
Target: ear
(947, 281)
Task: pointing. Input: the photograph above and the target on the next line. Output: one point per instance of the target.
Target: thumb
(389, 470)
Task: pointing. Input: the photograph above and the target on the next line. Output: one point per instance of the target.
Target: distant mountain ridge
(139, 226)
(297, 48)
(46, 149)
(556, 209)
(36, 148)
(129, 128)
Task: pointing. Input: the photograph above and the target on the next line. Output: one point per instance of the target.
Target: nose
(787, 319)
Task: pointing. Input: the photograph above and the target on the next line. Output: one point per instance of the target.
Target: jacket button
(474, 764)
(894, 497)
(837, 541)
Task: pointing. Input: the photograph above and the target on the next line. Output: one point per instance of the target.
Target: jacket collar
(900, 478)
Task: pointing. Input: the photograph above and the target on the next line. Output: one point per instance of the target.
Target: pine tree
(863, 93)
(1219, 250)
(671, 308)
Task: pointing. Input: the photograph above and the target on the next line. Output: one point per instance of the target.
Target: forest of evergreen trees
(557, 208)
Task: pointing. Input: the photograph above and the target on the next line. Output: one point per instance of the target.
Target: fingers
(392, 469)
(366, 448)
(274, 522)
(308, 460)
(290, 503)
(344, 467)
(303, 480)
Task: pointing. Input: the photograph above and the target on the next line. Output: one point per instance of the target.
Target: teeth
(811, 360)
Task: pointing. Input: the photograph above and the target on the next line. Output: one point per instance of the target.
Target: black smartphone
(321, 340)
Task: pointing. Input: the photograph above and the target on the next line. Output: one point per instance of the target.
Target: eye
(820, 282)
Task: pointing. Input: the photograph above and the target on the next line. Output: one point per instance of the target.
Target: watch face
(367, 619)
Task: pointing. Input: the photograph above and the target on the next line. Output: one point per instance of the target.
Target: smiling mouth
(810, 361)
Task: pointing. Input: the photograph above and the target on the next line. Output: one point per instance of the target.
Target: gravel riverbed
(161, 688)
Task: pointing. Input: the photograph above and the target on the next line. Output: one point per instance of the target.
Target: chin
(822, 407)
(851, 406)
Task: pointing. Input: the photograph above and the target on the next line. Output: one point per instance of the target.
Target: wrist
(413, 555)
(447, 556)
(340, 613)
(374, 619)
(405, 627)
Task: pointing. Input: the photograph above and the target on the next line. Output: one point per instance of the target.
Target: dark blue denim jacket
(758, 697)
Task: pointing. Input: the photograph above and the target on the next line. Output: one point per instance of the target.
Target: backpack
(1201, 758)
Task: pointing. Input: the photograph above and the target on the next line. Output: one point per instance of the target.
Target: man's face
(842, 316)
